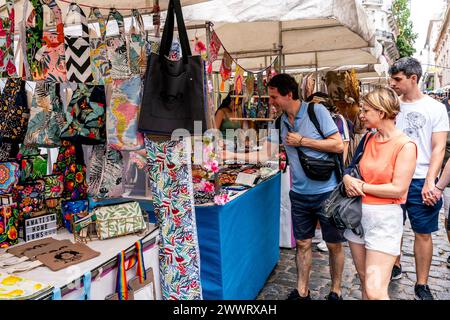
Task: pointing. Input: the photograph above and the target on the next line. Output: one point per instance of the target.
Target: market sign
(40, 227)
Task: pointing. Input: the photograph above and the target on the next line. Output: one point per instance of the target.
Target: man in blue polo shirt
(307, 195)
(297, 131)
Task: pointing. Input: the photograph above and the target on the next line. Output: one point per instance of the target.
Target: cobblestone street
(283, 277)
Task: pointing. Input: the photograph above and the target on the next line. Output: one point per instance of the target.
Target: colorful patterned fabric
(123, 114)
(7, 67)
(34, 26)
(9, 224)
(5, 151)
(33, 167)
(170, 172)
(78, 57)
(214, 48)
(14, 111)
(51, 55)
(47, 118)
(70, 209)
(238, 80)
(117, 49)
(70, 164)
(86, 115)
(138, 45)
(54, 186)
(29, 197)
(225, 69)
(9, 176)
(100, 65)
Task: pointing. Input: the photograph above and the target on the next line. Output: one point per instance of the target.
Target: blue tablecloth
(239, 242)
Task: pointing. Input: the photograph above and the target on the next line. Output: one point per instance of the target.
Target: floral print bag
(47, 118)
(100, 65)
(123, 113)
(9, 223)
(34, 28)
(7, 67)
(9, 176)
(117, 49)
(139, 46)
(86, 115)
(14, 111)
(29, 197)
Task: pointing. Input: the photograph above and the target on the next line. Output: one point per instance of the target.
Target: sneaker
(396, 272)
(448, 262)
(294, 295)
(333, 296)
(422, 292)
(317, 236)
(322, 246)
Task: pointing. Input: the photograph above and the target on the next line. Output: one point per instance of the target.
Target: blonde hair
(385, 100)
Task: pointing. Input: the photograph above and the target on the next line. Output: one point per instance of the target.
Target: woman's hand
(353, 186)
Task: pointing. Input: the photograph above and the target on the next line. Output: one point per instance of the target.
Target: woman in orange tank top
(387, 167)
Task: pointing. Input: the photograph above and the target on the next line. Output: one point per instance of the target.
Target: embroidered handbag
(138, 44)
(7, 67)
(118, 50)
(54, 186)
(9, 176)
(86, 115)
(47, 118)
(9, 223)
(173, 95)
(78, 57)
(119, 219)
(100, 65)
(51, 55)
(34, 29)
(29, 197)
(123, 114)
(14, 111)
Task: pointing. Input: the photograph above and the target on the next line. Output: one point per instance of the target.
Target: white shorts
(446, 198)
(383, 228)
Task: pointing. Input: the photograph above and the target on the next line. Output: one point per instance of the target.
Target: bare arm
(267, 152)
(218, 119)
(346, 143)
(332, 143)
(405, 166)
(438, 141)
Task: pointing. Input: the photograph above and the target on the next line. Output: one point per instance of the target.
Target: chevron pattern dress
(78, 58)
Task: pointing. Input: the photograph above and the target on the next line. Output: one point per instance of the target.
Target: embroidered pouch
(9, 176)
(29, 197)
(9, 223)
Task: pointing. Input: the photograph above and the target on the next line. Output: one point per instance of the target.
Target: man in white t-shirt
(425, 121)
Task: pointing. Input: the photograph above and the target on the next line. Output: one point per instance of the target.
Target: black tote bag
(173, 96)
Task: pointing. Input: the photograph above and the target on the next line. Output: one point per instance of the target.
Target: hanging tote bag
(14, 111)
(173, 90)
(78, 57)
(123, 113)
(51, 54)
(34, 29)
(86, 115)
(47, 118)
(139, 46)
(100, 65)
(7, 67)
(117, 49)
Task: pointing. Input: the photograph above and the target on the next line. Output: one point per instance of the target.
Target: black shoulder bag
(319, 169)
(173, 96)
(342, 211)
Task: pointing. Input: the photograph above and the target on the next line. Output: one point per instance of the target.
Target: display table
(239, 242)
(103, 283)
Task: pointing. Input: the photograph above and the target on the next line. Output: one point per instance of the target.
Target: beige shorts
(383, 228)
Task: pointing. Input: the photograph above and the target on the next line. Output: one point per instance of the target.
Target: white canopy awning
(325, 33)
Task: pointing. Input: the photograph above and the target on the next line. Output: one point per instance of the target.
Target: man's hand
(429, 197)
(293, 139)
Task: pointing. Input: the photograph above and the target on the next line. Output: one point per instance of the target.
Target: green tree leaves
(406, 37)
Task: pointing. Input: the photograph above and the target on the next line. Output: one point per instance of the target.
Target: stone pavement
(283, 278)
